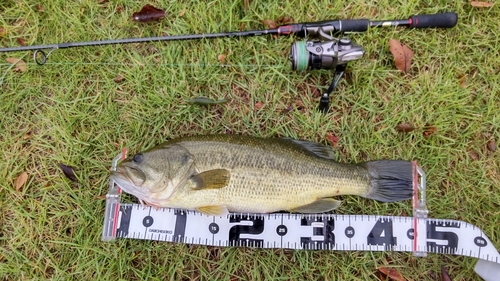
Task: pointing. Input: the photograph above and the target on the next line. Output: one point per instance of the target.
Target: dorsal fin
(320, 150)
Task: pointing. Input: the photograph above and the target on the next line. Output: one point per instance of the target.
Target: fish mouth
(123, 180)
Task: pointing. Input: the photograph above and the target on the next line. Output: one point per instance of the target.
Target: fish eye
(138, 158)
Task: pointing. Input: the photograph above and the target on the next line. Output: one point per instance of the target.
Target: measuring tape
(417, 234)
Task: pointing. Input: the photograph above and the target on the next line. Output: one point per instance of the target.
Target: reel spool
(308, 55)
(333, 54)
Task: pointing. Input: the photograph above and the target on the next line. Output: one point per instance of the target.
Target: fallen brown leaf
(20, 64)
(299, 104)
(119, 79)
(429, 130)
(68, 171)
(474, 155)
(40, 8)
(259, 105)
(491, 145)
(333, 139)
(221, 58)
(402, 55)
(21, 41)
(481, 4)
(148, 13)
(392, 273)
(3, 31)
(316, 93)
(288, 109)
(463, 79)
(404, 127)
(284, 20)
(444, 274)
(27, 136)
(21, 180)
(182, 12)
(269, 23)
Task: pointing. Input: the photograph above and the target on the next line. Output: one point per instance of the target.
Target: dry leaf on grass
(463, 80)
(21, 181)
(119, 79)
(221, 58)
(284, 20)
(491, 145)
(3, 31)
(333, 139)
(68, 171)
(392, 273)
(402, 55)
(404, 127)
(429, 130)
(481, 4)
(259, 105)
(182, 12)
(20, 64)
(269, 23)
(148, 13)
(288, 109)
(21, 41)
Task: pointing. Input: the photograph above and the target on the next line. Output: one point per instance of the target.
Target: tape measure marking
(305, 232)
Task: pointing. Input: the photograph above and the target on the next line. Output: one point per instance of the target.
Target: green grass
(75, 113)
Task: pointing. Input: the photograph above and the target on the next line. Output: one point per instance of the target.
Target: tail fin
(390, 180)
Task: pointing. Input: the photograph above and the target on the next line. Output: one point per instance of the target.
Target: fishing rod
(325, 52)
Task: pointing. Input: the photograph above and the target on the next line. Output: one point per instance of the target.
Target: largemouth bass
(217, 174)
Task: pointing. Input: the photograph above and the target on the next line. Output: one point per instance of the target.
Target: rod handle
(359, 25)
(444, 20)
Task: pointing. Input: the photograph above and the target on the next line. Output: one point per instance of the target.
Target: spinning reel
(332, 54)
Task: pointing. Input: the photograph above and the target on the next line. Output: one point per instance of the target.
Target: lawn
(86, 104)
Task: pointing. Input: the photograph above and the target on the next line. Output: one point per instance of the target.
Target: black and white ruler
(417, 234)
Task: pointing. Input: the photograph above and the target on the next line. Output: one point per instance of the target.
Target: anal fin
(319, 206)
(213, 210)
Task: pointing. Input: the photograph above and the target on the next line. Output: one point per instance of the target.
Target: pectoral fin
(319, 206)
(213, 210)
(211, 179)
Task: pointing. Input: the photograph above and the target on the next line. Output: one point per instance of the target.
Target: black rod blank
(444, 20)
